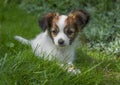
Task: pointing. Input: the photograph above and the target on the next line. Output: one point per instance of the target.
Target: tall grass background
(97, 56)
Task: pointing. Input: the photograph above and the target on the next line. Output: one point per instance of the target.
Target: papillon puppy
(59, 38)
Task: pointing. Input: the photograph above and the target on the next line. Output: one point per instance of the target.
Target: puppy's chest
(63, 55)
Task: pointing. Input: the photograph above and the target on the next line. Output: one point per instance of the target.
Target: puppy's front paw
(71, 69)
(74, 70)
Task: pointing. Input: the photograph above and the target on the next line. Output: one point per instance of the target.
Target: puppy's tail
(22, 40)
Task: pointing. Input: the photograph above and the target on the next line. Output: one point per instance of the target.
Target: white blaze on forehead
(61, 35)
(61, 22)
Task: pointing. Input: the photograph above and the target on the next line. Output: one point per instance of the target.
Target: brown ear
(80, 17)
(46, 21)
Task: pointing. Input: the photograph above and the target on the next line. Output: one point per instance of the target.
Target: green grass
(19, 66)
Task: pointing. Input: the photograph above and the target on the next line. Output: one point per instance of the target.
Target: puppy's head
(64, 29)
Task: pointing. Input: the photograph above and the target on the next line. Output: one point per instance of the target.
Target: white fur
(43, 46)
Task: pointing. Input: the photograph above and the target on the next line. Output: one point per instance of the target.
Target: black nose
(61, 41)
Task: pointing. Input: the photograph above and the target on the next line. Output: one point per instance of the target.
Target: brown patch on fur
(54, 29)
(46, 21)
(76, 21)
(71, 29)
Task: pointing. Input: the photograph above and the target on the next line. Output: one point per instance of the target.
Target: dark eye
(70, 32)
(54, 31)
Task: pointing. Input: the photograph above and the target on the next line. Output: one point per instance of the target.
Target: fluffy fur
(59, 37)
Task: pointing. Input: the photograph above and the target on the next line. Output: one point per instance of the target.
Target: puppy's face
(64, 29)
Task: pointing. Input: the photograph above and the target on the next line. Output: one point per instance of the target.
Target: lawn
(19, 65)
